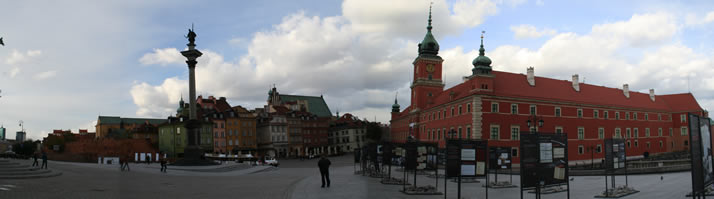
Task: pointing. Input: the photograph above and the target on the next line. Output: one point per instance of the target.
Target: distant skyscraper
(20, 136)
(2, 133)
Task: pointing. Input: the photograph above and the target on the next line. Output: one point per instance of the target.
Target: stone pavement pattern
(294, 179)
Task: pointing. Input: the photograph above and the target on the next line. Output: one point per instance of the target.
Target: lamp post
(535, 122)
(592, 156)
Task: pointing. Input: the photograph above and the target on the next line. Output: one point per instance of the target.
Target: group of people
(44, 160)
(124, 161)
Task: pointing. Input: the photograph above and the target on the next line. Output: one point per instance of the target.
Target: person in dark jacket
(44, 160)
(324, 165)
(35, 163)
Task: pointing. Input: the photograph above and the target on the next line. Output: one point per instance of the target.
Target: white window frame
(497, 135)
(533, 109)
(494, 107)
(558, 112)
(514, 109)
(581, 133)
(601, 133)
(596, 114)
(517, 130)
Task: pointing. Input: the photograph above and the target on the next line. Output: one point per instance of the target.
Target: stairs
(13, 169)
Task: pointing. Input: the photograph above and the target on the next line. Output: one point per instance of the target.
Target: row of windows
(515, 132)
(442, 114)
(596, 113)
(495, 132)
(438, 134)
(598, 148)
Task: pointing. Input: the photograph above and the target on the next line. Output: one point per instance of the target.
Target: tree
(26, 148)
(374, 131)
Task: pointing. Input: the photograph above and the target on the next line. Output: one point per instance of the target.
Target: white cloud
(640, 30)
(597, 58)
(525, 31)
(90, 126)
(19, 58)
(540, 2)
(162, 57)
(45, 75)
(407, 19)
(14, 71)
(236, 41)
(158, 101)
(693, 19)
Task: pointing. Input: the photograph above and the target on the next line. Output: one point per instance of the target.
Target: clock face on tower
(430, 68)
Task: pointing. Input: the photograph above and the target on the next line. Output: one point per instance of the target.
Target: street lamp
(532, 122)
(592, 156)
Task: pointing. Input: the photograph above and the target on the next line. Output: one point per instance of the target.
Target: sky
(65, 63)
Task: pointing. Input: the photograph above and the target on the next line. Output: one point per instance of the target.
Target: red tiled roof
(681, 102)
(515, 85)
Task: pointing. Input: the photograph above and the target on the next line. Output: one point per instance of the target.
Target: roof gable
(316, 105)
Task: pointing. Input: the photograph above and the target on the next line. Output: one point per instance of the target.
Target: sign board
(701, 152)
(466, 158)
(499, 158)
(410, 156)
(387, 153)
(615, 154)
(544, 159)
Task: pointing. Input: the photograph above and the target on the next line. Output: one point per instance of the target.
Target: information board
(410, 156)
(387, 153)
(466, 158)
(544, 159)
(700, 139)
(615, 154)
(499, 158)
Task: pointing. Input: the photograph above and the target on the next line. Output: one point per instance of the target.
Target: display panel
(544, 159)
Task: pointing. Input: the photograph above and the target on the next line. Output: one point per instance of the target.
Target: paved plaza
(293, 179)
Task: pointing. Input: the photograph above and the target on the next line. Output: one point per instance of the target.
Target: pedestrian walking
(126, 163)
(44, 160)
(163, 164)
(148, 159)
(35, 163)
(324, 165)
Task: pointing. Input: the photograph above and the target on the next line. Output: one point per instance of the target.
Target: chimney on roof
(652, 95)
(576, 83)
(626, 90)
(531, 76)
(222, 98)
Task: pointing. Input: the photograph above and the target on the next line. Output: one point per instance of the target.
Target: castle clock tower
(427, 81)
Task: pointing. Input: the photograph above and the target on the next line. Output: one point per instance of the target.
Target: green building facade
(173, 136)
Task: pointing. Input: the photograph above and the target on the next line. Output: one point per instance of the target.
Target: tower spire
(429, 46)
(481, 51)
(428, 28)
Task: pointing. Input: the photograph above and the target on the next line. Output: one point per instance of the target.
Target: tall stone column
(193, 152)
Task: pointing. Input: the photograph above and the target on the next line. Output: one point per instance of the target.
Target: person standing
(148, 159)
(324, 165)
(35, 163)
(44, 160)
(163, 164)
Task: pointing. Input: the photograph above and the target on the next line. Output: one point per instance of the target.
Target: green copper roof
(395, 106)
(429, 44)
(482, 64)
(119, 120)
(316, 105)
